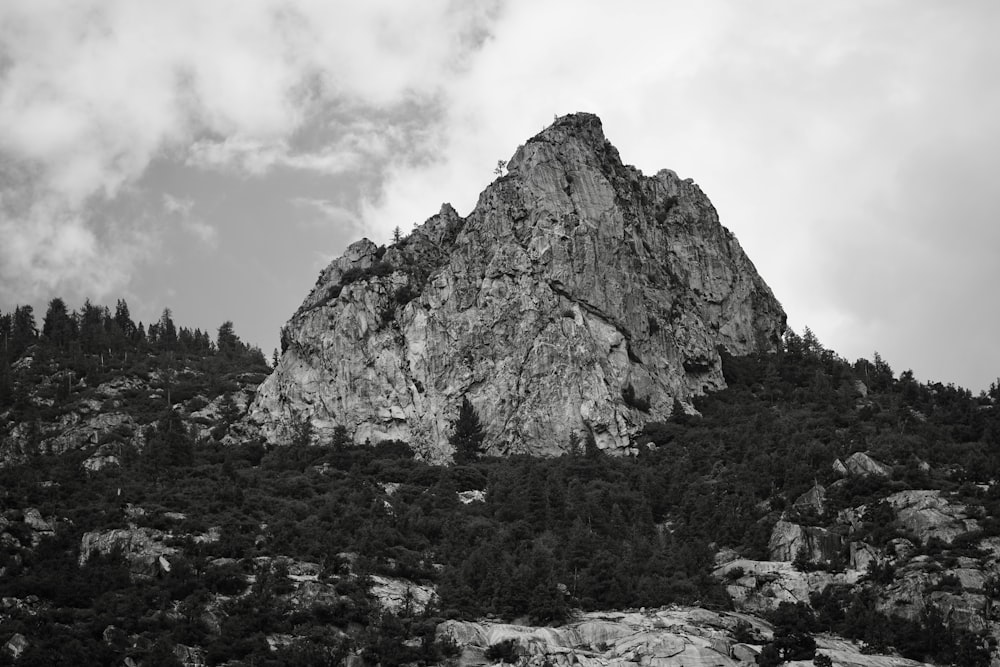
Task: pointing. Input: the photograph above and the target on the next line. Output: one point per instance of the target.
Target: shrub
(393, 449)
(505, 651)
(405, 294)
(633, 401)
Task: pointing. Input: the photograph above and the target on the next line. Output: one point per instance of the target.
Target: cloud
(55, 250)
(849, 146)
(324, 213)
(93, 91)
(351, 145)
(183, 210)
(178, 206)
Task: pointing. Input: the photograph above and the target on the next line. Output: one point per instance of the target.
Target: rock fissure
(589, 308)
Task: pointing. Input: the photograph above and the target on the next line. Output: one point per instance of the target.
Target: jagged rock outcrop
(400, 595)
(860, 464)
(961, 588)
(813, 500)
(759, 586)
(16, 645)
(579, 296)
(145, 549)
(791, 541)
(925, 514)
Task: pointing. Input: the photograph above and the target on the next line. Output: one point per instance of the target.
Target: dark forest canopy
(95, 329)
(551, 536)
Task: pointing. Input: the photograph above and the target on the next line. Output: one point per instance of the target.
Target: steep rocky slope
(578, 297)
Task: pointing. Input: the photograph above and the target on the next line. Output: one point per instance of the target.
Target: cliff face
(579, 296)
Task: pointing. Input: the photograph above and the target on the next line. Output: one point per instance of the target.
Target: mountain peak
(582, 125)
(577, 137)
(578, 300)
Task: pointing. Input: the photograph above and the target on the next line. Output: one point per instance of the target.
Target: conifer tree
(92, 327)
(6, 325)
(124, 320)
(58, 327)
(228, 342)
(229, 412)
(23, 331)
(167, 331)
(467, 440)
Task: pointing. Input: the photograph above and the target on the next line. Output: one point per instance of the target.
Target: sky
(213, 157)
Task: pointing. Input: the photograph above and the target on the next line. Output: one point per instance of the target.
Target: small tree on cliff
(467, 440)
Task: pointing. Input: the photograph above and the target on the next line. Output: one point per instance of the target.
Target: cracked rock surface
(579, 296)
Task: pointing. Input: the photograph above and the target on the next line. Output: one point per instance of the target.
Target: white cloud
(182, 209)
(92, 91)
(178, 205)
(324, 213)
(831, 138)
(49, 249)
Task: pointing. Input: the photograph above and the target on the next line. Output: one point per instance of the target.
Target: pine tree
(167, 331)
(58, 327)
(23, 331)
(124, 320)
(92, 328)
(6, 326)
(467, 440)
(229, 412)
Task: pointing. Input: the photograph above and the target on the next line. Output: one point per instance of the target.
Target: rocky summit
(578, 297)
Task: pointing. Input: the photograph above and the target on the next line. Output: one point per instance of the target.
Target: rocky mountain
(579, 297)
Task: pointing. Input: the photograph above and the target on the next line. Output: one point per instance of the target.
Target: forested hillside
(192, 539)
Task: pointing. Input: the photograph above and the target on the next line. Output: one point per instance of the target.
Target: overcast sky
(212, 157)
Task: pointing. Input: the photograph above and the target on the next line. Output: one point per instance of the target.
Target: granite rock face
(579, 296)
(667, 637)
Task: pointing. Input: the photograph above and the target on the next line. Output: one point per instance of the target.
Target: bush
(505, 651)
(633, 401)
(392, 449)
(405, 294)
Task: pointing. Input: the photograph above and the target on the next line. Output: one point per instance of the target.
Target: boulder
(863, 555)
(16, 645)
(33, 519)
(395, 595)
(860, 464)
(927, 514)
(761, 586)
(473, 496)
(790, 540)
(100, 462)
(143, 548)
(190, 656)
(813, 500)
(91, 429)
